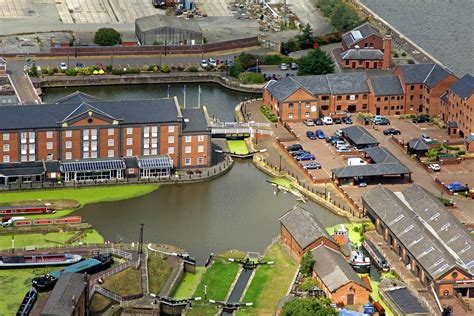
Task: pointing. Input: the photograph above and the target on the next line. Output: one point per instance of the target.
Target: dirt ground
(56, 204)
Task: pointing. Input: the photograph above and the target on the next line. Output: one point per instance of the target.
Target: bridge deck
(24, 89)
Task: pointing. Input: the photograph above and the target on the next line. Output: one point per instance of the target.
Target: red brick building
(364, 36)
(89, 138)
(301, 231)
(3, 67)
(387, 96)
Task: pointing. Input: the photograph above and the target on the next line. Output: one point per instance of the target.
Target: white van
(356, 161)
(327, 120)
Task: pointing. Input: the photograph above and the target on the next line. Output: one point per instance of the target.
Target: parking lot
(411, 130)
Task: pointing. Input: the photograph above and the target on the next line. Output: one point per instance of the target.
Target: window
(32, 135)
(49, 145)
(154, 151)
(110, 142)
(338, 107)
(110, 131)
(200, 160)
(129, 141)
(129, 130)
(200, 149)
(364, 96)
(6, 136)
(290, 105)
(32, 148)
(170, 139)
(200, 138)
(308, 105)
(49, 134)
(68, 134)
(154, 131)
(325, 108)
(378, 98)
(306, 114)
(68, 155)
(85, 134)
(421, 86)
(412, 87)
(85, 155)
(31, 158)
(412, 97)
(93, 134)
(50, 157)
(339, 97)
(6, 158)
(385, 99)
(188, 139)
(364, 106)
(68, 144)
(170, 150)
(129, 153)
(23, 158)
(110, 153)
(187, 161)
(94, 154)
(171, 129)
(6, 147)
(290, 115)
(187, 149)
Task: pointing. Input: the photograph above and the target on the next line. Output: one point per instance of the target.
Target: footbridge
(235, 130)
(23, 86)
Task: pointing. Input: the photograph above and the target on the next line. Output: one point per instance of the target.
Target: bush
(107, 37)
(395, 55)
(247, 60)
(87, 71)
(306, 264)
(307, 284)
(50, 71)
(33, 72)
(236, 69)
(71, 72)
(108, 68)
(156, 42)
(269, 114)
(165, 68)
(410, 61)
(145, 67)
(404, 54)
(179, 68)
(251, 78)
(155, 68)
(343, 17)
(460, 153)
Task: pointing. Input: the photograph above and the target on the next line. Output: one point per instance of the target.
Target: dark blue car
(311, 135)
(306, 156)
(320, 134)
(347, 120)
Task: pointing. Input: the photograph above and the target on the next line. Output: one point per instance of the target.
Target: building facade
(458, 107)
(81, 132)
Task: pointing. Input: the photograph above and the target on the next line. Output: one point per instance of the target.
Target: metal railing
(106, 293)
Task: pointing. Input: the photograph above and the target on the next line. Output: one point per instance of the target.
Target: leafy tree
(316, 62)
(306, 264)
(33, 72)
(308, 306)
(308, 283)
(236, 68)
(344, 18)
(247, 60)
(107, 37)
(165, 68)
(306, 39)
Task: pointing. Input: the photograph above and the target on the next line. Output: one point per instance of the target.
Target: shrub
(404, 54)
(395, 55)
(410, 61)
(236, 69)
(108, 68)
(460, 153)
(156, 42)
(33, 72)
(193, 69)
(155, 68)
(50, 71)
(107, 37)
(145, 67)
(268, 114)
(87, 71)
(356, 229)
(306, 264)
(71, 72)
(307, 284)
(165, 68)
(179, 68)
(251, 78)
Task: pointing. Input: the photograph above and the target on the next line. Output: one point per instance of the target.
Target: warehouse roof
(386, 85)
(78, 97)
(419, 237)
(359, 33)
(303, 226)
(359, 136)
(405, 301)
(371, 170)
(66, 294)
(195, 120)
(380, 154)
(26, 168)
(464, 88)
(362, 54)
(157, 21)
(428, 74)
(333, 269)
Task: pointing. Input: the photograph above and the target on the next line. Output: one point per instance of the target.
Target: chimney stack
(387, 51)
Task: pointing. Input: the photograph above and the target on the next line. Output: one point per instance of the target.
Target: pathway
(23, 87)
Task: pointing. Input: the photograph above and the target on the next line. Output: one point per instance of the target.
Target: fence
(106, 293)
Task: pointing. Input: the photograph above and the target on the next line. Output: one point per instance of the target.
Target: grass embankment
(188, 284)
(99, 302)
(237, 147)
(218, 278)
(281, 181)
(84, 196)
(158, 272)
(354, 230)
(270, 283)
(126, 282)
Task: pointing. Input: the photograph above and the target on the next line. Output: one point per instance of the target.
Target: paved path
(26, 93)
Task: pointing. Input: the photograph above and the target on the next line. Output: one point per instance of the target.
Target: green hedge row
(269, 114)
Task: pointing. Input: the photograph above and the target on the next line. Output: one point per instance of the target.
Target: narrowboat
(25, 210)
(29, 261)
(376, 256)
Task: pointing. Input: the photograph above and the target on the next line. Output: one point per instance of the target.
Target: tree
(107, 37)
(306, 264)
(344, 18)
(316, 62)
(33, 72)
(306, 39)
(236, 69)
(308, 306)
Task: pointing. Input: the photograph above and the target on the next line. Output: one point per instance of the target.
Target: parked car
(435, 167)
(257, 70)
(421, 119)
(212, 62)
(229, 62)
(311, 135)
(457, 187)
(343, 149)
(426, 138)
(320, 134)
(294, 66)
(341, 143)
(294, 147)
(318, 122)
(312, 165)
(204, 63)
(334, 140)
(327, 120)
(63, 66)
(391, 131)
(283, 66)
(306, 156)
(308, 122)
(362, 184)
(347, 120)
(338, 133)
(337, 120)
(299, 153)
(80, 65)
(383, 121)
(377, 118)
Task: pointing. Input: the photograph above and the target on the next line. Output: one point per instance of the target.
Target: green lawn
(188, 284)
(158, 272)
(376, 297)
(281, 181)
(199, 309)
(218, 278)
(237, 147)
(355, 236)
(126, 282)
(270, 283)
(82, 195)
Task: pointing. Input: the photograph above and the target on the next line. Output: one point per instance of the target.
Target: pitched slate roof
(65, 295)
(49, 115)
(418, 144)
(333, 269)
(340, 83)
(464, 88)
(420, 239)
(195, 120)
(405, 301)
(428, 74)
(359, 135)
(85, 108)
(359, 33)
(371, 170)
(303, 226)
(26, 168)
(78, 97)
(157, 21)
(362, 54)
(380, 154)
(386, 85)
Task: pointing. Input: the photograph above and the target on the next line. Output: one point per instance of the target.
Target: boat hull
(16, 265)
(361, 268)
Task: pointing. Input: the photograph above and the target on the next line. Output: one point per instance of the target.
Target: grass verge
(281, 181)
(376, 297)
(188, 284)
(126, 282)
(158, 272)
(218, 278)
(354, 229)
(270, 283)
(237, 147)
(99, 302)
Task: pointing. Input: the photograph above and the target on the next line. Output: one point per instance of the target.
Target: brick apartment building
(458, 107)
(89, 138)
(411, 89)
